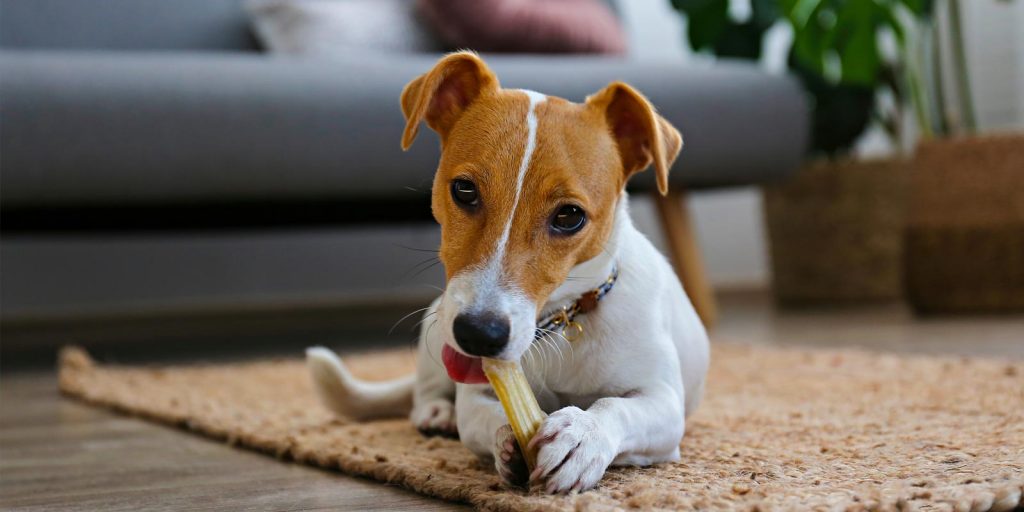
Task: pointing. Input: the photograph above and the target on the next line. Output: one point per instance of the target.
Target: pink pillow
(528, 26)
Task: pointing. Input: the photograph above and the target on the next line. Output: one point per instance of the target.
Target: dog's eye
(568, 219)
(464, 192)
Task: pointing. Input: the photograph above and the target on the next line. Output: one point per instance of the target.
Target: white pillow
(333, 27)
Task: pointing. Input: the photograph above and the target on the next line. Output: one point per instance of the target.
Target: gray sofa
(149, 149)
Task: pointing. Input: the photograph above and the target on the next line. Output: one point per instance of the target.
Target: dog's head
(526, 189)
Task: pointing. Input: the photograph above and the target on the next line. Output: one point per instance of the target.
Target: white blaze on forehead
(536, 98)
(488, 292)
(480, 289)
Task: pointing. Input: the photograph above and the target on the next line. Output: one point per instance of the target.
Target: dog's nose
(481, 335)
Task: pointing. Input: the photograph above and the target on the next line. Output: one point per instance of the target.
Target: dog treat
(516, 397)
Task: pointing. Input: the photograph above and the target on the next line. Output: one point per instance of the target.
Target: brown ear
(442, 94)
(643, 137)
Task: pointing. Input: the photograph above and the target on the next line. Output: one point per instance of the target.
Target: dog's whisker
(435, 251)
(541, 351)
(531, 359)
(548, 332)
(424, 319)
(426, 336)
(561, 358)
(426, 268)
(400, 320)
(550, 342)
(545, 358)
(537, 353)
(425, 261)
(414, 189)
(553, 342)
(568, 343)
(429, 261)
(432, 324)
(561, 353)
(548, 349)
(561, 336)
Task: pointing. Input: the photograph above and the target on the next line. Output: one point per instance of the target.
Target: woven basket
(965, 228)
(835, 233)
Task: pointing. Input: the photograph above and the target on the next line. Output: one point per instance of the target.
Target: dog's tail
(349, 396)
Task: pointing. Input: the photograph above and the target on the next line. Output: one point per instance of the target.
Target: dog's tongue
(461, 368)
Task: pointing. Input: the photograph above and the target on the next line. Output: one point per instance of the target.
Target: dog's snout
(483, 335)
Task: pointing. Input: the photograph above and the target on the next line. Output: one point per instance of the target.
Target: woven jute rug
(779, 430)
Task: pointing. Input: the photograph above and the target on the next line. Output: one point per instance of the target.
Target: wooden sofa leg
(684, 253)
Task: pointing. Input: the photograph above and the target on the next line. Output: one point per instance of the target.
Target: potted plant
(835, 229)
(964, 235)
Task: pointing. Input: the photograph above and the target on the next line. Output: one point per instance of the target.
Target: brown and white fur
(619, 395)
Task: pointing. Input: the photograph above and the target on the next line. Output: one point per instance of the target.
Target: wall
(995, 55)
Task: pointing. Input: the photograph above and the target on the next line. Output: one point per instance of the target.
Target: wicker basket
(965, 227)
(835, 233)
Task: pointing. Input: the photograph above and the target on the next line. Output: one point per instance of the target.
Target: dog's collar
(563, 320)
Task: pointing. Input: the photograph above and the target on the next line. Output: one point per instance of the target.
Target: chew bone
(516, 397)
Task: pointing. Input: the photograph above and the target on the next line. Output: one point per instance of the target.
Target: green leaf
(711, 28)
(706, 21)
(894, 24)
(859, 58)
(855, 42)
(840, 113)
(810, 38)
(692, 5)
(740, 40)
(920, 8)
(800, 12)
(765, 13)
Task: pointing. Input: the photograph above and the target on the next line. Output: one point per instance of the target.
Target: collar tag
(563, 322)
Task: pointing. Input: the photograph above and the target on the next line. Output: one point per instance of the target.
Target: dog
(543, 265)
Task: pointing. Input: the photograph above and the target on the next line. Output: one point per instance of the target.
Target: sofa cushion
(527, 26)
(333, 27)
(115, 128)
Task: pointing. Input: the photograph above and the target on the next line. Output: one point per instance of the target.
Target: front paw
(573, 451)
(508, 459)
(435, 418)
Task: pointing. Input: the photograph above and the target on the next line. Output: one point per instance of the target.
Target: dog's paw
(508, 459)
(435, 418)
(573, 451)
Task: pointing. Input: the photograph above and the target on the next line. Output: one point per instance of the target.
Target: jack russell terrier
(543, 265)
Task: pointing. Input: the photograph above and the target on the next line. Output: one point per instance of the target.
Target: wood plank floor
(56, 454)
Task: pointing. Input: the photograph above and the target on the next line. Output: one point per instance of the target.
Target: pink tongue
(461, 368)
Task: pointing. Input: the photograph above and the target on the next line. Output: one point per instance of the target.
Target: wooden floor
(56, 454)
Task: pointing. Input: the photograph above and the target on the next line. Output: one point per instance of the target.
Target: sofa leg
(684, 253)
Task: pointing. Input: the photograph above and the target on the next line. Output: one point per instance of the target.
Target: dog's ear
(643, 137)
(442, 94)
